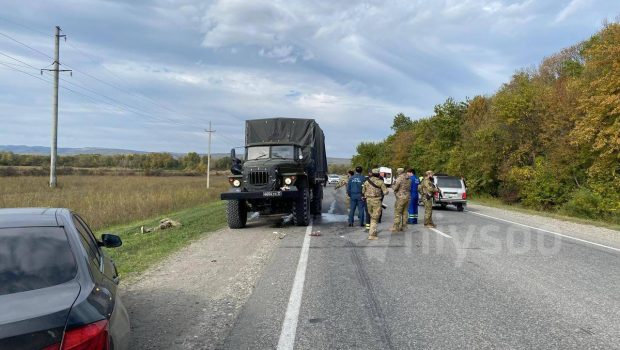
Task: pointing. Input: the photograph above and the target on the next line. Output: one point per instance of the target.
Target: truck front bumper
(237, 195)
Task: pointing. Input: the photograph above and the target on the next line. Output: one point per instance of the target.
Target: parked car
(333, 179)
(58, 288)
(452, 191)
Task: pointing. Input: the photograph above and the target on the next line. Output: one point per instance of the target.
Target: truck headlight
(236, 183)
(288, 181)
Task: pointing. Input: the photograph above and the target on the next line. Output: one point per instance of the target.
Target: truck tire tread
(236, 214)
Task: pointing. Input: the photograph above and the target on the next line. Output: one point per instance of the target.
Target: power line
(26, 45)
(23, 26)
(18, 60)
(127, 107)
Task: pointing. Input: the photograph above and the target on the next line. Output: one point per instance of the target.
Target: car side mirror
(110, 241)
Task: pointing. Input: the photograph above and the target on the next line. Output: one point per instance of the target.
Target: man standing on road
(373, 190)
(354, 191)
(345, 182)
(413, 203)
(402, 191)
(428, 189)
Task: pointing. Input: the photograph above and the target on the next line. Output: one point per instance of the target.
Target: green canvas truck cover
(305, 133)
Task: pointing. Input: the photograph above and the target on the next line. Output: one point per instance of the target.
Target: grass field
(141, 250)
(106, 201)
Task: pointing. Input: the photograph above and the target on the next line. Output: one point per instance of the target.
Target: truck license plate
(272, 194)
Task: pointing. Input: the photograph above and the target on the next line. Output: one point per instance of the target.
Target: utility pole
(210, 131)
(56, 69)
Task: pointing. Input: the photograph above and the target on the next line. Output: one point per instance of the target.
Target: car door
(106, 266)
(105, 275)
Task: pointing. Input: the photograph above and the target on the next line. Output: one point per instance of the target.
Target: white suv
(452, 190)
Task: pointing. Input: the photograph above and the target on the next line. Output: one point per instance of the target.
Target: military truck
(285, 170)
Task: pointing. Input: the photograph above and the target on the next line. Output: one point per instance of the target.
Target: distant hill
(339, 161)
(42, 150)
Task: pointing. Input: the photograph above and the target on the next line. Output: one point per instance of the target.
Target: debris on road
(279, 235)
(316, 233)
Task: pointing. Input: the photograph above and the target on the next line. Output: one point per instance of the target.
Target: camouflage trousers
(401, 213)
(374, 209)
(428, 212)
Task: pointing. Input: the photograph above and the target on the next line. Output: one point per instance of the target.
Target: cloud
(571, 9)
(166, 68)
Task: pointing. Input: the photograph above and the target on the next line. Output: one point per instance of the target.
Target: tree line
(549, 138)
(192, 161)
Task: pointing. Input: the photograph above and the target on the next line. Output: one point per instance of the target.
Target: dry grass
(111, 200)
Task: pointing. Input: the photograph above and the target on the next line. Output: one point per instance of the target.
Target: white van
(386, 174)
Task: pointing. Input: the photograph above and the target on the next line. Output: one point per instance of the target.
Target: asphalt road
(475, 282)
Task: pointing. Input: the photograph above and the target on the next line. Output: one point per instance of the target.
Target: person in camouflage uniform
(428, 189)
(373, 189)
(402, 191)
(343, 183)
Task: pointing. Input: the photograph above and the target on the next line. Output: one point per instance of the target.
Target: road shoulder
(191, 299)
(587, 232)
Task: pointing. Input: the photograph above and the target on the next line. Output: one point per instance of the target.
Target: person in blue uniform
(413, 203)
(354, 191)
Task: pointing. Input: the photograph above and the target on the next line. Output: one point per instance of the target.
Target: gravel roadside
(191, 299)
(587, 232)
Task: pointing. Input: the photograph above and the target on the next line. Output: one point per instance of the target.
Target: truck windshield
(261, 152)
(287, 152)
(258, 152)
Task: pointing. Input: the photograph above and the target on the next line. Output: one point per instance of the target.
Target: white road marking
(441, 233)
(289, 326)
(543, 230)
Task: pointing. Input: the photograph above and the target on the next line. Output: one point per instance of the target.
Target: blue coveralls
(354, 190)
(413, 203)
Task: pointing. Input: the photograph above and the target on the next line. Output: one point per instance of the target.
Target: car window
(33, 258)
(449, 182)
(89, 241)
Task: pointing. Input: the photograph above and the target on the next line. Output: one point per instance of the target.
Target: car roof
(28, 217)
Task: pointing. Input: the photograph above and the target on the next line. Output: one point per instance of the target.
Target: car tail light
(92, 336)
(464, 195)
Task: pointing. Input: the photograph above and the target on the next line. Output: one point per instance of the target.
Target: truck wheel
(317, 200)
(236, 213)
(459, 207)
(301, 208)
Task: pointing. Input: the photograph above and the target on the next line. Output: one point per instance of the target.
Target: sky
(151, 75)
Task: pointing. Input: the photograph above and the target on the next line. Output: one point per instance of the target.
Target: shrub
(585, 204)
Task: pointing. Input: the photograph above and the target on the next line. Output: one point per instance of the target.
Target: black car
(58, 289)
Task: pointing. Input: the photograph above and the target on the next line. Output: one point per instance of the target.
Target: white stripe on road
(543, 230)
(441, 233)
(289, 327)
